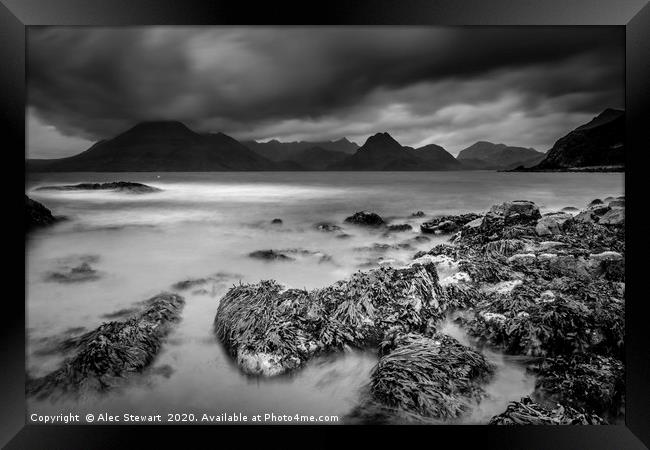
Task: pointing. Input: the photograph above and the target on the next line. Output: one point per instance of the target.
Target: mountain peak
(160, 125)
(604, 117)
(382, 139)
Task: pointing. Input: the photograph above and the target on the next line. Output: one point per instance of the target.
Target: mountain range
(171, 146)
(486, 155)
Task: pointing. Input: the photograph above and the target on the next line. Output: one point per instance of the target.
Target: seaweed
(434, 377)
(527, 412)
(113, 351)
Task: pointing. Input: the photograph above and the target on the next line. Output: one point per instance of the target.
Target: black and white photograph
(325, 225)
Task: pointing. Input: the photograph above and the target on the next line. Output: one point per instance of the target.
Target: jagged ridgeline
(107, 356)
(549, 288)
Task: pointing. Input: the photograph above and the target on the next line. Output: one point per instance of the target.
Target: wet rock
(613, 217)
(123, 186)
(432, 377)
(271, 330)
(276, 221)
(595, 202)
(527, 412)
(447, 224)
(383, 247)
(328, 227)
(512, 212)
(570, 209)
(592, 214)
(270, 255)
(108, 355)
(400, 227)
(365, 218)
(79, 274)
(37, 215)
(617, 203)
(552, 223)
(418, 214)
(586, 381)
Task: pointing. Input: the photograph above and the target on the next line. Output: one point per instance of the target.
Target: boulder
(270, 255)
(276, 221)
(418, 214)
(617, 203)
(552, 223)
(517, 211)
(365, 218)
(37, 215)
(613, 217)
(592, 214)
(595, 202)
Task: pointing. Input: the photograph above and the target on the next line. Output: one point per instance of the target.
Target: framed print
(281, 223)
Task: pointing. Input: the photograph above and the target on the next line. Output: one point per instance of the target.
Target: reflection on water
(207, 223)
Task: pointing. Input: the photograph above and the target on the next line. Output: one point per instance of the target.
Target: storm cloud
(449, 86)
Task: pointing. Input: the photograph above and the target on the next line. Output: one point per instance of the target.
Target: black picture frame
(634, 15)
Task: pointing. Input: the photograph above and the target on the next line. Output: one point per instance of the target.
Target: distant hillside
(382, 153)
(597, 145)
(316, 158)
(159, 146)
(486, 155)
(290, 151)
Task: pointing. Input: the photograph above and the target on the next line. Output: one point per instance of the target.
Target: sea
(206, 225)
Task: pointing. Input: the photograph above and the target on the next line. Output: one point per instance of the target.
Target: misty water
(202, 224)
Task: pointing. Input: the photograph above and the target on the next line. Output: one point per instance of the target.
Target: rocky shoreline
(549, 287)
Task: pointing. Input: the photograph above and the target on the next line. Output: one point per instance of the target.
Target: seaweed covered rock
(588, 381)
(560, 316)
(123, 186)
(434, 377)
(107, 355)
(447, 224)
(270, 330)
(527, 412)
(37, 215)
(365, 218)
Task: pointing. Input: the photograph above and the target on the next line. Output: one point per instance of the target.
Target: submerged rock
(126, 186)
(111, 353)
(527, 412)
(418, 214)
(37, 215)
(400, 227)
(79, 274)
(276, 221)
(270, 255)
(328, 227)
(365, 218)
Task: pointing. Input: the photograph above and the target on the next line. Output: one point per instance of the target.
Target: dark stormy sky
(449, 86)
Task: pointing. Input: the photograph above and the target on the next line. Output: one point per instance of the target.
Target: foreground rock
(111, 353)
(527, 412)
(37, 215)
(365, 218)
(429, 377)
(124, 186)
(271, 330)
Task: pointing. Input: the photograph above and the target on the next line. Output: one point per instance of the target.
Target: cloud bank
(449, 86)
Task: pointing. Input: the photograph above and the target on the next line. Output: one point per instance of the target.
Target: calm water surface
(202, 224)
